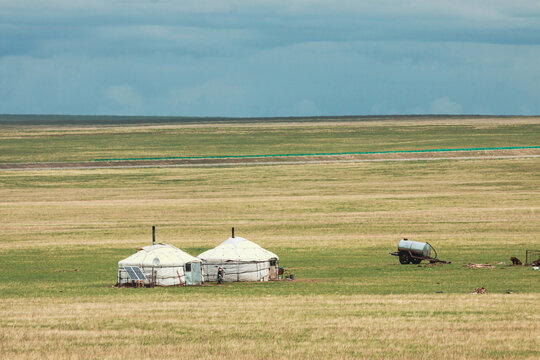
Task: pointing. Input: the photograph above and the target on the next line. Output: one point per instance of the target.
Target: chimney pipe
(153, 235)
(233, 232)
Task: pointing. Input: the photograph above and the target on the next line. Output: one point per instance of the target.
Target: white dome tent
(241, 259)
(163, 265)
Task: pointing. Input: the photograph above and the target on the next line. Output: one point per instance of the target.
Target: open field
(63, 232)
(354, 326)
(55, 143)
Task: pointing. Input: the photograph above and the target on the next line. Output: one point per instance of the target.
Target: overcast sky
(269, 58)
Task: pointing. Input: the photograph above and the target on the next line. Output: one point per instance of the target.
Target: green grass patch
(90, 272)
(74, 144)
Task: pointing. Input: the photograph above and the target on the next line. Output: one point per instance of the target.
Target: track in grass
(157, 164)
(509, 152)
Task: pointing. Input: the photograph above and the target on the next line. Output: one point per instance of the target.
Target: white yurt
(241, 259)
(163, 265)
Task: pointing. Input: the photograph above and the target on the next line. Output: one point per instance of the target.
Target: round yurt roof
(237, 249)
(166, 255)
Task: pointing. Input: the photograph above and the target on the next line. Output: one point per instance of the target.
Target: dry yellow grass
(451, 203)
(21, 130)
(323, 327)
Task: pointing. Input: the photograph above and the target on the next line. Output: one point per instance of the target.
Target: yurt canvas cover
(163, 265)
(241, 259)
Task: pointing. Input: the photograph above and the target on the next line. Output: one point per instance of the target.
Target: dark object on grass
(516, 261)
(414, 252)
(530, 255)
(480, 290)
(285, 274)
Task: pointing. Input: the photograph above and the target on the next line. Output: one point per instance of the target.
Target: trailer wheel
(404, 257)
(416, 260)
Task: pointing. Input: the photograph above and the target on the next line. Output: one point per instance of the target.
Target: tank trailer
(414, 252)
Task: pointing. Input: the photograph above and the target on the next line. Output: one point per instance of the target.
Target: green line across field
(323, 154)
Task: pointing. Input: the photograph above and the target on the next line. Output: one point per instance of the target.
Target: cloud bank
(269, 58)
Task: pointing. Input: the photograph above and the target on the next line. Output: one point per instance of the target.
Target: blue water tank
(415, 247)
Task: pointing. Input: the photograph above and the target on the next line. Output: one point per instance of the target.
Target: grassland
(63, 232)
(369, 326)
(52, 143)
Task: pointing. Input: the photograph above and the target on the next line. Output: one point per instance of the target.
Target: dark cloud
(264, 59)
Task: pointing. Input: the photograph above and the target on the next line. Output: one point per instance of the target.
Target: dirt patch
(276, 160)
(231, 283)
(67, 270)
(306, 280)
(479, 266)
(431, 264)
(211, 284)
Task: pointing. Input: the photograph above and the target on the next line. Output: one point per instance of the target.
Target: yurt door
(273, 269)
(188, 273)
(193, 273)
(196, 273)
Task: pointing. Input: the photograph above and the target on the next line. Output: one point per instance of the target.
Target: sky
(269, 58)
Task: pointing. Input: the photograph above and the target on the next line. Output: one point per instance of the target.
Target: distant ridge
(8, 119)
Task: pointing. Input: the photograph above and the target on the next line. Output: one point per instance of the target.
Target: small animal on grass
(515, 261)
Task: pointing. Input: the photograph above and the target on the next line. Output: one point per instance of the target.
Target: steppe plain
(332, 224)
